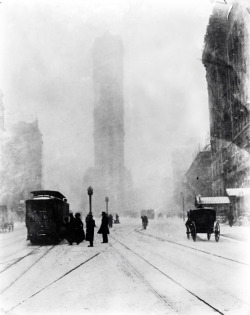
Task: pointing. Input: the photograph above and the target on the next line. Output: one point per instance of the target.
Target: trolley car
(202, 220)
(45, 215)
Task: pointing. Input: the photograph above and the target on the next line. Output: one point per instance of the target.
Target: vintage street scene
(124, 157)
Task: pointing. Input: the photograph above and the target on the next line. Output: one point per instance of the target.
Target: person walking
(104, 229)
(90, 228)
(110, 217)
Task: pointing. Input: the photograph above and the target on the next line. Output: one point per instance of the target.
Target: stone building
(198, 178)
(226, 59)
(181, 159)
(109, 176)
(22, 163)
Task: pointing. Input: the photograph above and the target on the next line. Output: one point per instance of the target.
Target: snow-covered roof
(212, 200)
(238, 192)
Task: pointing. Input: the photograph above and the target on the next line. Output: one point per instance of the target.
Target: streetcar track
(13, 236)
(19, 259)
(64, 275)
(199, 250)
(170, 278)
(140, 276)
(12, 242)
(13, 282)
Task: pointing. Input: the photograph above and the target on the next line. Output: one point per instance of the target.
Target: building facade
(226, 59)
(198, 178)
(109, 176)
(22, 164)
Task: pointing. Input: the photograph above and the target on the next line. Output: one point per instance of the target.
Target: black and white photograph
(124, 157)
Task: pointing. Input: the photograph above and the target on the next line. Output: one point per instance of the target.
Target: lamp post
(107, 204)
(90, 193)
(183, 216)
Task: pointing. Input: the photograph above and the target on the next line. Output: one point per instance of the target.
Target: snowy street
(153, 271)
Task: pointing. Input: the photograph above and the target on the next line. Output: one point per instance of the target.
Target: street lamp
(90, 193)
(107, 202)
(183, 216)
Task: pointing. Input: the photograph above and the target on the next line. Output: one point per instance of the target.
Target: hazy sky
(47, 73)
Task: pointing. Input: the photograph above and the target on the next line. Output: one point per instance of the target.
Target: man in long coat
(79, 232)
(104, 229)
(90, 228)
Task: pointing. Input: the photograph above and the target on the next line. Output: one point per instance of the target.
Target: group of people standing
(75, 233)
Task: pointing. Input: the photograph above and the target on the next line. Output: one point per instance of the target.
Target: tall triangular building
(109, 177)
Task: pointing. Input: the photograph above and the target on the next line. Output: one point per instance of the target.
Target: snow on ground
(113, 279)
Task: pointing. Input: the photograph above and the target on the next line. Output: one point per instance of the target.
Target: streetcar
(45, 214)
(202, 220)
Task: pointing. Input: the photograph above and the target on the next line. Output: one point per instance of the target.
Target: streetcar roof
(51, 193)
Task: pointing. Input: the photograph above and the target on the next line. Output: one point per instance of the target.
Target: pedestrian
(117, 218)
(79, 232)
(90, 228)
(144, 219)
(66, 228)
(104, 229)
(110, 220)
(71, 229)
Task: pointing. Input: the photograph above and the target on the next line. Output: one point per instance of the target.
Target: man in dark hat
(90, 228)
(104, 229)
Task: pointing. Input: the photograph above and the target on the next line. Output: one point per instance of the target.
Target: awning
(238, 192)
(212, 200)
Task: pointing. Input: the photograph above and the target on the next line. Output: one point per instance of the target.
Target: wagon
(202, 220)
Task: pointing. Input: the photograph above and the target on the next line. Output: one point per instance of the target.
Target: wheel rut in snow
(192, 248)
(169, 277)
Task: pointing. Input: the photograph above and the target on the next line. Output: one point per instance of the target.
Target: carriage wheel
(217, 231)
(193, 231)
(208, 236)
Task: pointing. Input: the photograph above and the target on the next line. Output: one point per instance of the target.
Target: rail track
(164, 274)
(26, 270)
(192, 248)
(120, 240)
(51, 283)
(20, 258)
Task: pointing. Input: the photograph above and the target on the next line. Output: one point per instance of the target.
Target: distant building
(109, 176)
(226, 58)
(181, 159)
(199, 178)
(22, 163)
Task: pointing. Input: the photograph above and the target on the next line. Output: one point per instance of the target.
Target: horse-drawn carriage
(202, 220)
